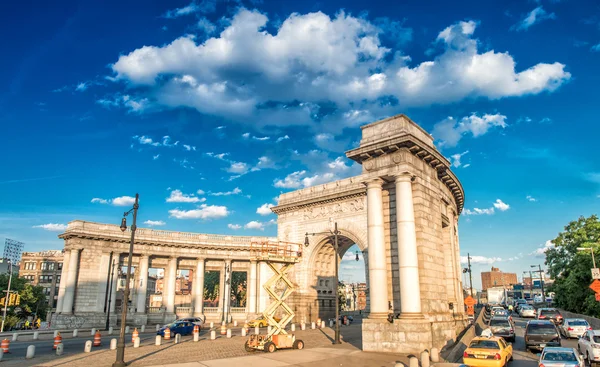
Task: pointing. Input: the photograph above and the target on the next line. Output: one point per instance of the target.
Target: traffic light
(11, 299)
(2, 301)
(17, 299)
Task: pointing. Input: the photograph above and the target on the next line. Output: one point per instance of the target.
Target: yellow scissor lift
(280, 257)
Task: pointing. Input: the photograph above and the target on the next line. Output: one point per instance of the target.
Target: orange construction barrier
(134, 335)
(5, 345)
(223, 330)
(167, 333)
(57, 340)
(97, 339)
(196, 329)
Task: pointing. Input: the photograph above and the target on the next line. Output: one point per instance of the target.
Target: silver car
(560, 357)
(574, 328)
(527, 311)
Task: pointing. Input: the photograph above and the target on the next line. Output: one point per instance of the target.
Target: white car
(574, 328)
(589, 346)
(527, 311)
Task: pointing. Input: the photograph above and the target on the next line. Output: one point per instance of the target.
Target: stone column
(199, 288)
(115, 281)
(378, 281)
(252, 289)
(227, 287)
(171, 279)
(63, 281)
(221, 289)
(142, 285)
(410, 290)
(69, 298)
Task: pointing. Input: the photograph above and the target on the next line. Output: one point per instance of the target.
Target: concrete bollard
(424, 358)
(312, 325)
(113, 343)
(157, 327)
(1, 354)
(212, 324)
(60, 349)
(75, 333)
(88, 346)
(196, 337)
(435, 355)
(110, 330)
(36, 335)
(157, 340)
(235, 323)
(330, 323)
(303, 326)
(30, 352)
(143, 329)
(213, 335)
(177, 338)
(243, 332)
(55, 333)
(93, 332)
(413, 362)
(293, 327)
(126, 329)
(256, 330)
(136, 342)
(323, 324)
(228, 333)
(15, 337)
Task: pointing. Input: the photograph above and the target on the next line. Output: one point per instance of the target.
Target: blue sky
(210, 109)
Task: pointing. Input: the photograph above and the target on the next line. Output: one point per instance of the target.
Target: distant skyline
(211, 109)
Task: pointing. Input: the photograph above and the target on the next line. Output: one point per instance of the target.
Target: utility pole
(7, 296)
(470, 275)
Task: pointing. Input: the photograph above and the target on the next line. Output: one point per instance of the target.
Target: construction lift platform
(280, 256)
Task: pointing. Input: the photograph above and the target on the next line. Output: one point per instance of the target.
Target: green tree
(211, 285)
(238, 288)
(33, 300)
(570, 268)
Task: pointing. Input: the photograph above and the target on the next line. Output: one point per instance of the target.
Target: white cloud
(265, 209)
(530, 198)
(235, 227)
(118, 201)
(351, 256)
(533, 17)
(455, 158)
(235, 191)
(467, 165)
(206, 6)
(153, 223)
(340, 61)
(53, 227)
(500, 205)
(541, 250)
(82, 87)
(596, 48)
(178, 197)
(325, 171)
(144, 140)
(203, 212)
(238, 168)
(255, 225)
(133, 104)
(188, 147)
(245, 135)
(480, 260)
(450, 131)
(155, 157)
(282, 138)
(200, 192)
(261, 138)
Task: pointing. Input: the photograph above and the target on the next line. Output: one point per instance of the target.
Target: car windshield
(541, 329)
(578, 323)
(495, 322)
(560, 356)
(596, 339)
(549, 313)
(484, 344)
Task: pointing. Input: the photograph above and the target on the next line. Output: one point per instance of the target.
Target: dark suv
(551, 314)
(540, 334)
(501, 326)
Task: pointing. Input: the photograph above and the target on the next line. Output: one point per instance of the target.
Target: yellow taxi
(261, 321)
(490, 351)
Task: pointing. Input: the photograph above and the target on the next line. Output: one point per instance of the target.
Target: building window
(47, 291)
(54, 302)
(58, 279)
(45, 279)
(30, 278)
(30, 266)
(59, 266)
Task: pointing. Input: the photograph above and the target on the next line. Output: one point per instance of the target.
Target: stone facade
(43, 268)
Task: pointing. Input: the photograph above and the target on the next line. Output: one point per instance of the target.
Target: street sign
(470, 310)
(595, 273)
(598, 297)
(470, 301)
(595, 286)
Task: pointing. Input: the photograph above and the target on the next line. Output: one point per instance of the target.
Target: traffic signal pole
(7, 297)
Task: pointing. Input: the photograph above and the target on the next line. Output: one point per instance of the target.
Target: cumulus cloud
(235, 191)
(498, 204)
(178, 197)
(118, 201)
(480, 260)
(324, 171)
(133, 104)
(235, 227)
(541, 250)
(535, 16)
(53, 227)
(153, 223)
(455, 158)
(314, 67)
(258, 225)
(203, 212)
(265, 209)
(450, 131)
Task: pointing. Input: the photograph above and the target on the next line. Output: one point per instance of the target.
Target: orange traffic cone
(97, 339)
(196, 329)
(223, 329)
(134, 335)
(57, 341)
(5, 345)
(167, 333)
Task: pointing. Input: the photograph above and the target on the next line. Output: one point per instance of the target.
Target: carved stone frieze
(354, 205)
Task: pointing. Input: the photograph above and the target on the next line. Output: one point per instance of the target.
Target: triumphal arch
(402, 212)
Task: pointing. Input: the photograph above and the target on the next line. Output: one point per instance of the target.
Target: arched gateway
(402, 212)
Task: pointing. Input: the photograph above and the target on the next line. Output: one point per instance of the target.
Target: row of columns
(410, 301)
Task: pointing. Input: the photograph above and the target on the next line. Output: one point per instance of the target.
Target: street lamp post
(7, 295)
(335, 234)
(541, 280)
(110, 282)
(468, 270)
(120, 362)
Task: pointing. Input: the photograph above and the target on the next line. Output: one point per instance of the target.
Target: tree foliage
(570, 268)
(238, 288)
(33, 299)
(211, 285)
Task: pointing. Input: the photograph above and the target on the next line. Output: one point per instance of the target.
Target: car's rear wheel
(270, 347)
(298, 344)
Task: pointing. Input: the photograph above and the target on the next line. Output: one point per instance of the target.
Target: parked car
(540, 334)
(589, 346)
(503, 327)
(177, 327)
(574, 328)
(194, 320)
(491, 351)
(261, 321)
(501, 313)
(527, 311)
(519, 303)
(551, 314)
(560, 357)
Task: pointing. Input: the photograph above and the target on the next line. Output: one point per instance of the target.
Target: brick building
(497, 278)
(43, 269)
